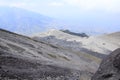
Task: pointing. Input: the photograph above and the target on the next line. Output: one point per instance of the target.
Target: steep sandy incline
(110, 41)
(114, 38)
(24, 58)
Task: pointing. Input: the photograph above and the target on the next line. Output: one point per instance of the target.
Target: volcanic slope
(22, 58)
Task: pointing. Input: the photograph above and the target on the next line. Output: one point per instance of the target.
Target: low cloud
(12, 3)
(56, 4)
(88, 5)
(111, 6)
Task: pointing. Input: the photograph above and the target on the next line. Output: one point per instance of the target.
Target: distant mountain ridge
(24, 21)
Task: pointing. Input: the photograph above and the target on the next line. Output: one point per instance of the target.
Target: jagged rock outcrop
(109, 68)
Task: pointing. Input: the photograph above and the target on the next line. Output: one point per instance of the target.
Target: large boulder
(109, 68)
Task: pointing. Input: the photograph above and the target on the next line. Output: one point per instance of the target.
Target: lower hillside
(23, 58)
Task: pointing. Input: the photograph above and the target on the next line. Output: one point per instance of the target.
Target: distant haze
(82, 15)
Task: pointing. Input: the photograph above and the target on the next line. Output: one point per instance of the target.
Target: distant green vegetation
(76, 34)
(65, 58)
(53, 56)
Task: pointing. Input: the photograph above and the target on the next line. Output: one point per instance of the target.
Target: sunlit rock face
(109, 68)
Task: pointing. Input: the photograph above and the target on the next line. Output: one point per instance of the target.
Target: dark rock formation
(109, 68)
(76, 34)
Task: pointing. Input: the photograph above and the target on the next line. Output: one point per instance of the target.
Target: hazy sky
(97, 14)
